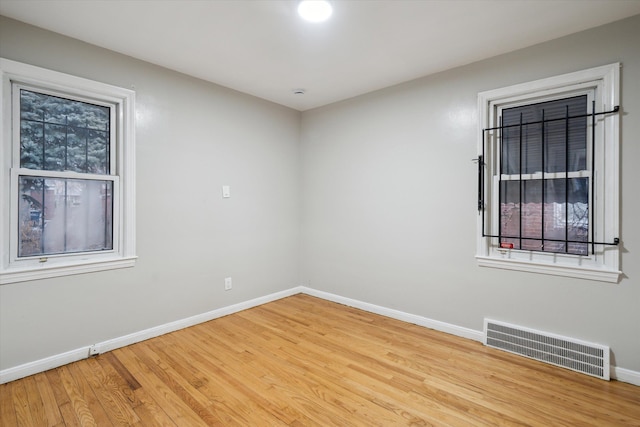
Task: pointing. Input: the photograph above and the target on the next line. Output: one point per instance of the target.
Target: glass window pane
(30, 218)
(548, 226)
(54, 147)
(532, 213)
(521, 218)
(97, 152)
(531, 143)
(510, 213)
(567, 215)
(75, 134)
(31, 145)
(555, 225)
(30, 103)
(76, 144)
(543, 215)
(64, 216)
(565, 141)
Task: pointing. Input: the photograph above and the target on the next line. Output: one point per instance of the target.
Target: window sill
(599, 274)
(26, 274)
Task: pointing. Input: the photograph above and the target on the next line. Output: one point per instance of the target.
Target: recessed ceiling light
(298, 91)
(315, 10)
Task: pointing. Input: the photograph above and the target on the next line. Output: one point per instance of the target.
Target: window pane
(54, 147)
(532, 214)
(63, 134)
(64, 216)
(521, 218)
(567, 215)
(565, 141)
(510, 213)
(76, 159)
(31, 145)
(548, 226)
(97, 155)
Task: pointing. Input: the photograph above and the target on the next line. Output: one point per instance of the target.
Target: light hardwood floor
(303, 361)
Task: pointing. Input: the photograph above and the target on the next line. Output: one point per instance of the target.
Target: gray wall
(192, 138)
(372, 198)
(389, 201)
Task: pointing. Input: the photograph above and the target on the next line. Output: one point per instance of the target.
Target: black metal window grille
(545, 169)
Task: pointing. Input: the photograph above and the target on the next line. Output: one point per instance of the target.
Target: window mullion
(62, 174)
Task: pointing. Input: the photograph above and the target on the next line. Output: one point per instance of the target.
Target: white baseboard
(47, 363)
(109, 345)
(617, 373)
(460, 331)
(21, 371)
(625, 375)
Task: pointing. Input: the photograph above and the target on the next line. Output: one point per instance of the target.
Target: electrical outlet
(227, 284)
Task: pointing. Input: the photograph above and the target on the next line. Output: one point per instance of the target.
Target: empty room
(340, 213)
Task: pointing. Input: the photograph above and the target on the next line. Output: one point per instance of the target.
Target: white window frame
(603, 83)
(14, 269)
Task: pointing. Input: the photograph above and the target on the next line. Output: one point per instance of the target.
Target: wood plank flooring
(303, 361)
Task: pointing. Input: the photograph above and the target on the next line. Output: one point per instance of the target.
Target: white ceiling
(263, 48)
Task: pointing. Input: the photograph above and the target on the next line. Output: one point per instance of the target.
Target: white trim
(31, 368)
(37, 366)
(80, 267)
(625, 375)
(604, 264)
(190, 321)
(51, 362)
(399, 315)
(15, 172)
(609, 73)
(602, 275)
(617, 373)
(124, 223)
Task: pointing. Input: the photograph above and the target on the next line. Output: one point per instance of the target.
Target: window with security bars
(64, 177)
(548, 175)
(544, 178)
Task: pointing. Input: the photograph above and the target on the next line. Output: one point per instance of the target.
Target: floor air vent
(588, 358)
